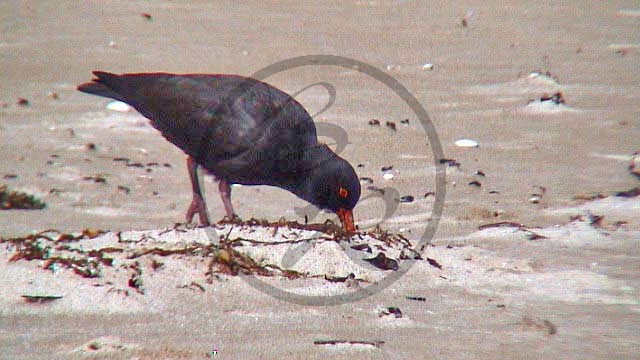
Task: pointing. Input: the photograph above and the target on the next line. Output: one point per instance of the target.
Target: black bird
(242, 131)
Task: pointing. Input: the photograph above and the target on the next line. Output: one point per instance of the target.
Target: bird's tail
(102, 85)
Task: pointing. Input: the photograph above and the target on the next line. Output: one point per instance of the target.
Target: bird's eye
(343, 192)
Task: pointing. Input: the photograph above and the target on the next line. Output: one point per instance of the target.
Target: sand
(560, 282)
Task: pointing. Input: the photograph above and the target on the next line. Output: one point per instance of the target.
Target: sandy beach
(536, 253)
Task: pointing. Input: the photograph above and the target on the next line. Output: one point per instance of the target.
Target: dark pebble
(475, 183)
(556, 98)
(405, 121)
(450, 162)
(407, 199)
(391, 125)
(395, 311)
(381, 261)
(23, 102)
(629, 193)
(367, 180)
(96, 179)
(479, 173)
(374, 122)
(387, 168)
(434, 263)
(430, 193)
(362, 247)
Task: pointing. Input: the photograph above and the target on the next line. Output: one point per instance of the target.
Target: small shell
(387, 176)
(118, 106)
(467, 143)
(427, 66)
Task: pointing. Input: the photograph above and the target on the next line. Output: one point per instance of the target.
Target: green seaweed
(11, 200)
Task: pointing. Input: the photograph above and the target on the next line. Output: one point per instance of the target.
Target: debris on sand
(98, 178)
(547, 326)
(353, 343)
(41, 298)
(589, 196)
(15, 200)
(531, 235)
(629, 193)
(407, 199)
(381, 261)
(549, 103)
(537, 196)
(254, 247)
(634, 165)
(434, 263)
(450, 162)
(390, 310)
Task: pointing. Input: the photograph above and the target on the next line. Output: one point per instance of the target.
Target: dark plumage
(242, 131)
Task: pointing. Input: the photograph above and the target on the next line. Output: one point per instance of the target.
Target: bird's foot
(235, 219)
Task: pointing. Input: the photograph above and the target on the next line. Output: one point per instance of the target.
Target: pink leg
(197, 204)
(225, 194)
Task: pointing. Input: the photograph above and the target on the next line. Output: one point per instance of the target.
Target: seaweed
(12, 200)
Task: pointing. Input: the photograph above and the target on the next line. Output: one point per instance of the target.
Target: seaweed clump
(10, 200)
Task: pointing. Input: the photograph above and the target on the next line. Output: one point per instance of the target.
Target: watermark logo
(340, 136)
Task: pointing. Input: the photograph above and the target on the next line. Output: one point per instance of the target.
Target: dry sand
(571, 293)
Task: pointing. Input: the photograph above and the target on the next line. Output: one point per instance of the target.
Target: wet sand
(571, 294)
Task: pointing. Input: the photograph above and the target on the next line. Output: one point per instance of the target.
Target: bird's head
(334, 186)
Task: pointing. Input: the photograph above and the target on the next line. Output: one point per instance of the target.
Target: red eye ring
(343, 192)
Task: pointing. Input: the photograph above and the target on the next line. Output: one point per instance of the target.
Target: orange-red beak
(346, 217)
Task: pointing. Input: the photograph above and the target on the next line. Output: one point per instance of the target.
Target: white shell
(387, 176)
(427, 66)
(118, 106)
(467, 143)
